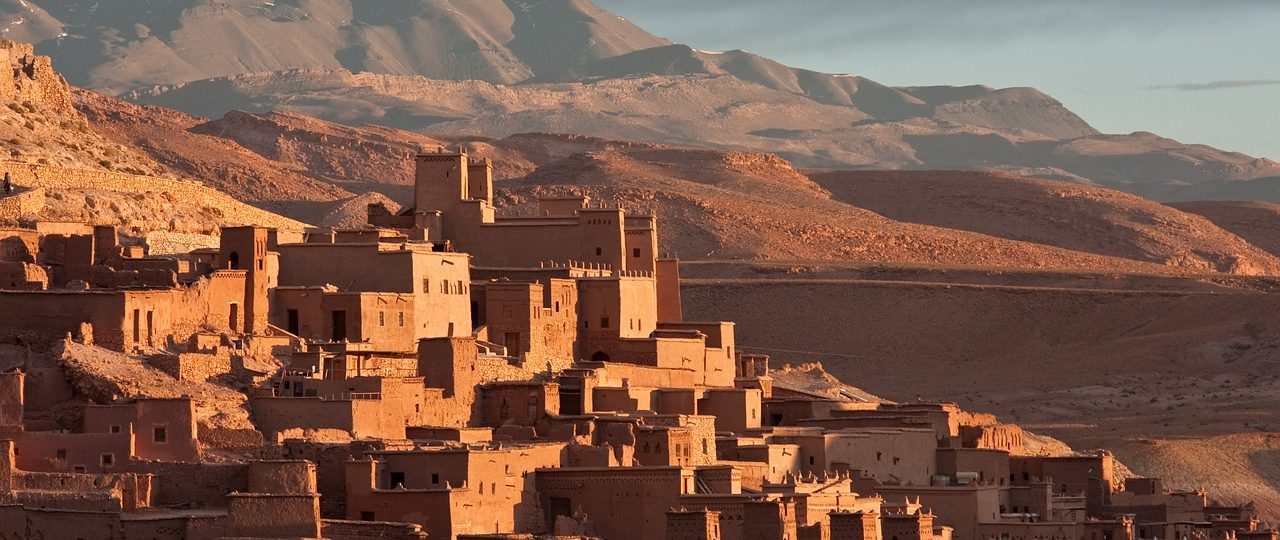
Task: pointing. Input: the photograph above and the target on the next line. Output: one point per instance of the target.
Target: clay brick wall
(22, 205)
(193, 366)
(41, 317)
(11, 398)
(702, 429)
(335, 529)
(1006, 437)
(18, 245)
(282, 477)
(282, 516)
(196, 485)
(176, 243)
(176, 528)
(53, 451)
(72, 523)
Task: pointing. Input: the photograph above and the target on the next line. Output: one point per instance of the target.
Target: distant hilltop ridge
(501, 67)
(502, 41)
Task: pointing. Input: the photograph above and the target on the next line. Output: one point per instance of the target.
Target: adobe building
(454, 373)
(119, 299)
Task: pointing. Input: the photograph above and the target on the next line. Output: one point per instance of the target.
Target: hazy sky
(1197, 71)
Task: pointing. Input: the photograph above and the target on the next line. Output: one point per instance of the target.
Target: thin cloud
(1216, 85)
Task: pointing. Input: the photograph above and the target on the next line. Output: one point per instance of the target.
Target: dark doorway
(560, 506)
(339, 325)
(397, 479)
(570, 401)
(293, 322)
(512, 341)
(234, 323)
(234, 261)
(600, 356)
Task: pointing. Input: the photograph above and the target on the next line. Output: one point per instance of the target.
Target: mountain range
(495, 68)
(1098, 316)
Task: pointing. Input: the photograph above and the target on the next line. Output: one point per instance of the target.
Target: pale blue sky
(1197, 71)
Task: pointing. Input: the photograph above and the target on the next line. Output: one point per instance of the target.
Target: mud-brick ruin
(448, 372)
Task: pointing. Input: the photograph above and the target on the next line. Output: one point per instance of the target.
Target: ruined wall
(193, 366)
(1007, 437)
(207, 305)
(292, 477)
(176, 243)
(266, 515)
(335, 529)
(195, 485)
(33, 78)
(11, 399)
(22, 205)
(52, 315)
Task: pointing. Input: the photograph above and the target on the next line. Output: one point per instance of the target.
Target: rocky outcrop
(34, 81)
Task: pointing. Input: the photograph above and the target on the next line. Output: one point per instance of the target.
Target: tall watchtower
(444, 179)
(441, 181)
(458, 187)
(245, 248)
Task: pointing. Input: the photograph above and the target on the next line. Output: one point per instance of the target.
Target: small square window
(599, 251)
(115, 429)
(435, 478)
(160, 434)
(62, 453)
(604, 322)
(108, 460)
(635, 253)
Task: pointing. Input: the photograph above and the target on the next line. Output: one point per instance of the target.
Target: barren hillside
(64, 169)
(707, 106)
(1068, 215)
(1255, 221)
(1233, 468)
(717, 205)
(713, 204)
